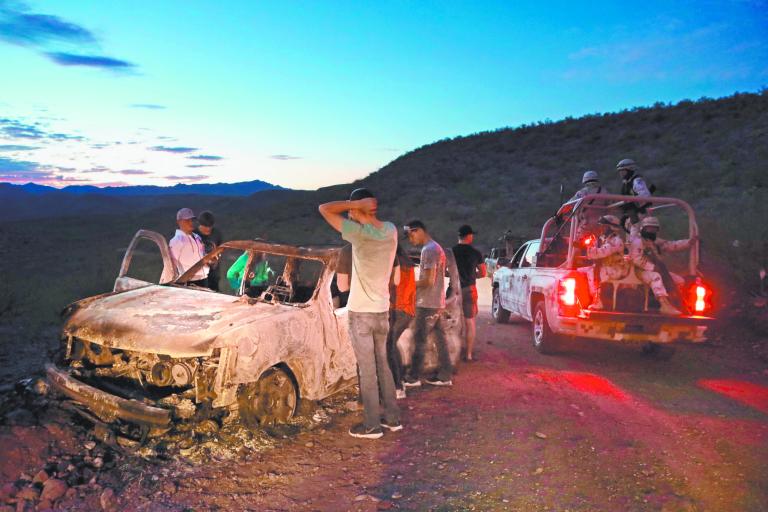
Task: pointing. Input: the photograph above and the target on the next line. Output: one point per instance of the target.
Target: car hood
(175, 321)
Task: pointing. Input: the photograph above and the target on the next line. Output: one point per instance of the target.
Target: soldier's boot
(667, 308)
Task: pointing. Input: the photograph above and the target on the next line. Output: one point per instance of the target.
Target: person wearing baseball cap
(430, 303)
(471, 266)
(187, 248)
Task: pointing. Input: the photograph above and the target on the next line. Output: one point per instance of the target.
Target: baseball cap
(185, 213)
(414, 224)
(465, 230)
(206, 219)
(360, 193)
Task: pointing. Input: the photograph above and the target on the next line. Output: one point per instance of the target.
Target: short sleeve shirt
(432, 256)
(467, 260)
(373, 251)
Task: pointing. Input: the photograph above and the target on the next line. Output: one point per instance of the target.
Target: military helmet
(627, 164)
(650, 222)
(610, 220)
(590, 176)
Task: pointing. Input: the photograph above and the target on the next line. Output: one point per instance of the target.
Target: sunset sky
(307, 94)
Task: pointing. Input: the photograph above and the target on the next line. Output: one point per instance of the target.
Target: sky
(314, 93)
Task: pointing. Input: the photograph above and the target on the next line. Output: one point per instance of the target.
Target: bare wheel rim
(275, 399)
(538, 327)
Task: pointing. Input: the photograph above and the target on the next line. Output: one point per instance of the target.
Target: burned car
(154, 353)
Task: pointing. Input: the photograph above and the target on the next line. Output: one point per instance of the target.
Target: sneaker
(438, 382)
(392, 427)
(361, 431)
(412, 383)
(400, 393)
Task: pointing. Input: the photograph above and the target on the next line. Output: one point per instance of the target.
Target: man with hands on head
(374, 243)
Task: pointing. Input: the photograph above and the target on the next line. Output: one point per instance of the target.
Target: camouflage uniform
(642, 252)
(609, 259)
(587, 218)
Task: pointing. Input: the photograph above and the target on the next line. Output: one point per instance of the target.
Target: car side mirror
(503, 262)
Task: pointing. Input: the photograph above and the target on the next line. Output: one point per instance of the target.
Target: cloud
(132, 172)
(20, 28)
(72, 179)
(17, 130)
(98, 168)
(198, 177)
(46, 34)
(667, 49)
(197, 166)
(14, 129)
(285, 157)
(148, 106)
(205, 157)
(94, 61)
(22, 171)
(17, 147)
(173, 149)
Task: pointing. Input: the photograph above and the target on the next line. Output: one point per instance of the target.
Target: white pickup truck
(546, 283)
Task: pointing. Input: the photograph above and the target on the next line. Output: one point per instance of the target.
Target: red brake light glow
(568, 291)
(701, 292)
(700, 298)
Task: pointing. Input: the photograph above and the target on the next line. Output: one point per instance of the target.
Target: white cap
(185, 213)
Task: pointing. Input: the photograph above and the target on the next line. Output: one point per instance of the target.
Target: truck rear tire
(499, 314)
(544, 340)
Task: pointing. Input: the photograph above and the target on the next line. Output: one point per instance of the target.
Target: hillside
(710, 152)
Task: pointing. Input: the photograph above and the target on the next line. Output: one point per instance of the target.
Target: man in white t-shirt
(187, 248)
(374, 243)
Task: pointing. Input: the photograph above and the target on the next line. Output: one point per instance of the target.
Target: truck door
(147, 261)
(524, 275)
(509, 284)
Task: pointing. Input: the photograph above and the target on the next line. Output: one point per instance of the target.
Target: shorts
(469, 301)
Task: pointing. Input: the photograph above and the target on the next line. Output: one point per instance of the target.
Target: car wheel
(658, 351)
(544, 340)
(499, 314)
(269, 401)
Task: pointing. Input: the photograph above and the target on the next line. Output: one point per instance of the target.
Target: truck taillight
(700, 298)
(567, 291)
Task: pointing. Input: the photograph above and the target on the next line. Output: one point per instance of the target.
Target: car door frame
(169, 274)
(523, 281)
(508, 292)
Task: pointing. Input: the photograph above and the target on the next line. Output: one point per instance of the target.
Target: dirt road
(598, 427)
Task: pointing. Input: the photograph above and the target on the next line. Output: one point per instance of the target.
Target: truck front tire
(544, 340)
(499, 314)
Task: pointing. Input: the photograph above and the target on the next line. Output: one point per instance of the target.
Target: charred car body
(148, 356)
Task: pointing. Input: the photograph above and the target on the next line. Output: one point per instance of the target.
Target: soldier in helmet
(591, 182)
(645, 250)
(608, 256)
(587, 217)
(633, 184)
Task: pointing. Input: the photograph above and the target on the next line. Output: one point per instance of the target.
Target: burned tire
(499, 314)
(659, 351)
(544, 340)
(269, 401)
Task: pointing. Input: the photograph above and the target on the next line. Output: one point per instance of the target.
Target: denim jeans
(368, 333)
(428, 320)
(399, 321)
